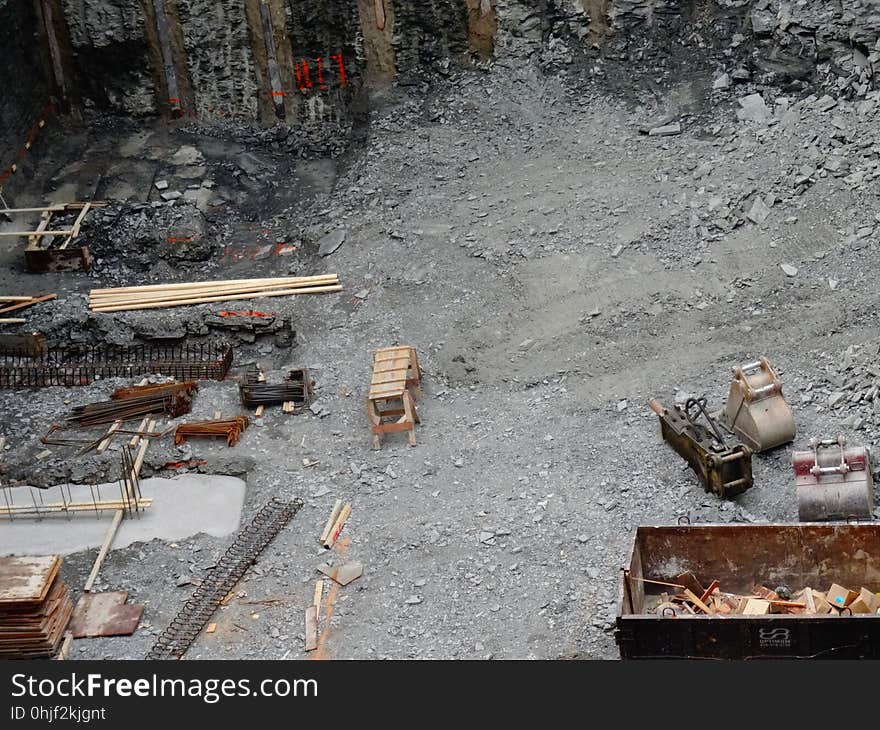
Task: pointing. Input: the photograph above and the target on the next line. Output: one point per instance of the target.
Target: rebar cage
(83, 365)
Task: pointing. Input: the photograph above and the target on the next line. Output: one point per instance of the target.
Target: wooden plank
(29, 303)
(12, 320)
(25, 234)
(105, 443)
(105, 548)
(695, 599)
(316, 601)
(272, 60)
(57, 207)
(709, 591)
(74, 232)
(221, 298)
(311, 642)
(164, 35)
(337, 526)
(334, 513)
(259, 412)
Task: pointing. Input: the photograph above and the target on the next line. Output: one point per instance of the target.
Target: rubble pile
(849, 386)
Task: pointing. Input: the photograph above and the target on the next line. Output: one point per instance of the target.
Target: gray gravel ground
(555, 268)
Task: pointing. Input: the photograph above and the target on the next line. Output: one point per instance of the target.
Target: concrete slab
(183, 506)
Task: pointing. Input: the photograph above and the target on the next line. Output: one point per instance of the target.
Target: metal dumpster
(739, 557)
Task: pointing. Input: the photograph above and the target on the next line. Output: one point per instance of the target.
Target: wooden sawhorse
(396, 380)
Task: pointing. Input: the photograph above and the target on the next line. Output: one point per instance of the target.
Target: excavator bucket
(833, 482)
(756, 412)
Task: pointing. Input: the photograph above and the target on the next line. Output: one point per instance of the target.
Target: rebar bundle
(188, 387)
(19, 368)
(123, 409)
(222, 578)
(230, 428)
(296, 388)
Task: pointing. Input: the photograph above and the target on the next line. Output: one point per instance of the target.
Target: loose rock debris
(524, 200)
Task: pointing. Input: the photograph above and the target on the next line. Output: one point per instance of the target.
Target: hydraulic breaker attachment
(724, 468)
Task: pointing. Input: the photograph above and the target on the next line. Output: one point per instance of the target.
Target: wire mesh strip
(223, 577)
(82, 365)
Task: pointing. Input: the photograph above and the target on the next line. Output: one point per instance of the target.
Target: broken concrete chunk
(753, 109)
(667, 130)
(171, 195)
(789, 269)
(826, 103)
(722, 82)
(330, 242)
(187, 155)
(342, 574)
(759, 211)
(161, 185)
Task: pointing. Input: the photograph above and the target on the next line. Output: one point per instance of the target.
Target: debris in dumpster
(231, 428)
(833, 482)
(725, 469)
(756, 412)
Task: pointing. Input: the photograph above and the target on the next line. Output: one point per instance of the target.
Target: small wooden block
(259, 412)
(211, 628)
(840, 597)
(757, 607)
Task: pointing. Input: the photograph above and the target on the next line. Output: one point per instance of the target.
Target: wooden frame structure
(41, 255)
(396, 382)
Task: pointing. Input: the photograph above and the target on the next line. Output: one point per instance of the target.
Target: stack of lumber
(35, 607)
(156, 296)
(231, 428)
(692, 598)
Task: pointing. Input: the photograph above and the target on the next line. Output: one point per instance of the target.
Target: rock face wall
(23, 90)
(110, 55)
(220, 55)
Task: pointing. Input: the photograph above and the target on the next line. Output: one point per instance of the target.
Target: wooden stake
(325, 533)
(337, 527)
(105, 548)
(102, 447)
(311, 628)
(319, 590)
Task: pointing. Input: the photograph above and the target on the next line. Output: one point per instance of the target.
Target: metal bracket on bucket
(756, 412)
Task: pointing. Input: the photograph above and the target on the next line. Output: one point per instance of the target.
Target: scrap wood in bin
(35, 607)
(171, 404)
(685, 595)
(231, 428)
